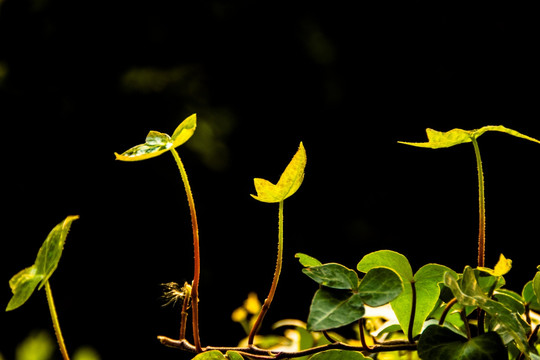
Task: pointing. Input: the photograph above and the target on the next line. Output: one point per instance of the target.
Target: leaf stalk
(482, 206)
(273, 287)
(56, 323)
(196, 252)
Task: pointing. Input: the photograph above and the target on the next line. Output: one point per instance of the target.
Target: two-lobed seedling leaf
(25, 282)
(157, 143)
(438, 139)
(288, 183)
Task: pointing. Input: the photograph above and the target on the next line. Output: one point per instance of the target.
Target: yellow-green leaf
(50, 252)
(502, 267)
(288, 183)
(438, 139)
(157, 143)
(184, 131)
(23, 285)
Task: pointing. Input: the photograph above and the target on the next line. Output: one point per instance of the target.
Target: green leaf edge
(183, 133)
(289, 182)
(439, 139)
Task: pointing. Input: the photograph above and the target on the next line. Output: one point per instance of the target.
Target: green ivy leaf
(380, 286)
(25, 281)
(530, 297)
(210, 355)
(157, 143)
(23, 285)
(469, 293)
(339, 355)
(288, 183)
(388, 259)
(50, 252)
(438, 342)
(536, 286)
(307, 260)
(333, 275)
(333, 308)
(438, 139)
(426, 282)
(233, 355)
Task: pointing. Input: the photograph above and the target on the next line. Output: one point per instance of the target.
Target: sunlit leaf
(380, 286)
(438, 343)
(333, 275)
(23, 285)
(157, 143)
(502, 267)
(438, 139)
(536, 286)
(469, 293)
(333, 308)
(425, 281)
(339, 355)
(307, 260)
(210, 355)
(389, 259)
(24, 282)
(184, 131)
(233, 355)
(50, 252)
(288, 183)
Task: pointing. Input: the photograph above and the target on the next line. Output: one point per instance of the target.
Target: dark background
(81, 80)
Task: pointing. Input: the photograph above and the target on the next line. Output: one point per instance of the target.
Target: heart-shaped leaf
(333, 275)
(288, 183)
(307, 260)
(380, 286)
(157, 143)
(438, 139)
(438, 343)
(425, 281)
(333, 308)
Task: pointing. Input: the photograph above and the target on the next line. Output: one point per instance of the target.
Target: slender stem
(446, 310)
(197, 261)
(273, 288)
(362, 326)
(413, 313)
(56, 323)
(482, 206)
(184, 313)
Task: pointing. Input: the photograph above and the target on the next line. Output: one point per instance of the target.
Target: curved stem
(196, 252)
(482, 206)
(273, 288)
(413, 313)
(446, 310)
(56, 323)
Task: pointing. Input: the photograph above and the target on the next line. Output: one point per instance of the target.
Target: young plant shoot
(392, 309)
(288, 184)
(156, 144)
(25, 282)
(453, 137)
